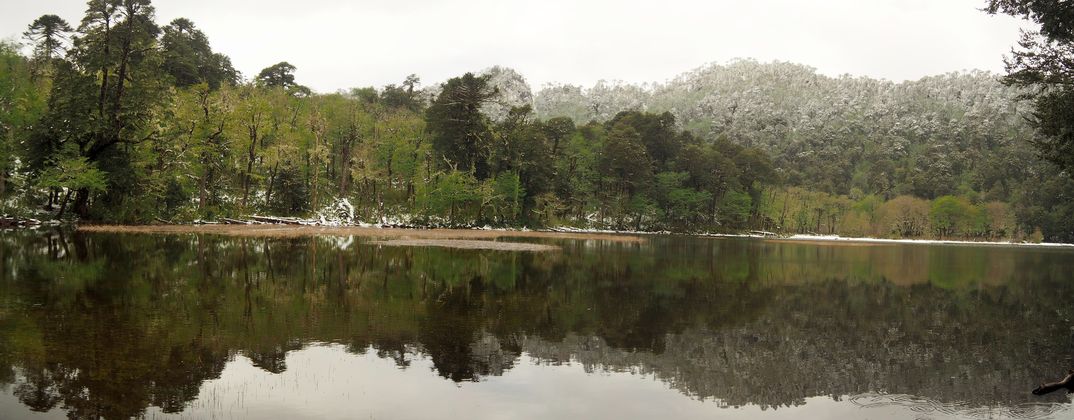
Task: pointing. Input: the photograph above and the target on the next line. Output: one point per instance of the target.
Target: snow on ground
(823, 238)
(920, 241)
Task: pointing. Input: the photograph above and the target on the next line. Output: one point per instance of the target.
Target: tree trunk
(272, 182)
(81, 202)
(63, 205)
(204, 182)
(104, 68)
(783, 214)
(344, 169)
(250, 156)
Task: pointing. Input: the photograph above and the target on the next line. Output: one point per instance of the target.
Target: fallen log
(230, 221)
(277, 220)
(1065, 383)
(14, 222)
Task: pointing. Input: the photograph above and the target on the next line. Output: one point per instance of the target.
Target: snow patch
(921, 241)
(338, 213)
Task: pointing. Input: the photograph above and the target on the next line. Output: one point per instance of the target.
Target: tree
(459, 131)
(735, 208)
(521, 147)
(449, 193)
(502, 198)
(709, 171)
(948, 215)
(626, 171)
(1054, 120)
(1045, 62)
(1056, 17)
(657, 132)
(558, 130)
(679, 204)
(905, 216)
(281, 74)
(678, 156)
(404, 96)
(48, 34)
(196, 151)
(189, 59)
(625, 161)
(22, 103)
(107, 96)
(293, 196)
(70, 175)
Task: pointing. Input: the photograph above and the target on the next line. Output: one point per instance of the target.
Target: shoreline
(826, 238)
(291, 231)
(868, 240)
(286, 230)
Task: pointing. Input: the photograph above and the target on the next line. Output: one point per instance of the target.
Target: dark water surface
(122, 325)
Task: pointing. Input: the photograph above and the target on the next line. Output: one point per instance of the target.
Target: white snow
(920, 241)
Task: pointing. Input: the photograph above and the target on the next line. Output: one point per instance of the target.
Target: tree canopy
(134, 122)
(1044, 62)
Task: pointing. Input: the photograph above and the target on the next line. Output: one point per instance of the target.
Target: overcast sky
(340, 44)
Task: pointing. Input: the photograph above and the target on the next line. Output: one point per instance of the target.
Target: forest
(120, 119)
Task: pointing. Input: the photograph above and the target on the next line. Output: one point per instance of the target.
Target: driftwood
(13, 222)
(1066, 383)
(230, 221)
(278, 220)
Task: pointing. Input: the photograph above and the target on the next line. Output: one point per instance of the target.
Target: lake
(117, 325)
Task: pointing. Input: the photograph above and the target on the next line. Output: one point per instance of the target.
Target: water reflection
(106, 325)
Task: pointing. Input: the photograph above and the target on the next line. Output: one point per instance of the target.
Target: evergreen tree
(189, 59)
(460, 132)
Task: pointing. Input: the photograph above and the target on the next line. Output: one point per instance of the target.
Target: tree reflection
(108, 325)
(38, 390)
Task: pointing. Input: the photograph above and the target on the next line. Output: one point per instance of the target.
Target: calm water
(114, 326)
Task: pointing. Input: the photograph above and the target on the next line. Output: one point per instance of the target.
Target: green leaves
(1056, 17)
(153, 114)
(682, 206)
(460, 132)
(448, 193)
(48, 34)
(281, 75)
(1045, 62)
(735, 208)
(74, 173)
(624, 159)
(189, 59)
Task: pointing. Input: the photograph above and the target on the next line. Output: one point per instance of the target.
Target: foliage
(460, 132)
(73, 174)
(174, 133)
(281, 75)
(1044, 62)
(48, 34)
(189, 59)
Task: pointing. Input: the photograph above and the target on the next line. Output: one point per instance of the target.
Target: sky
(339, 44)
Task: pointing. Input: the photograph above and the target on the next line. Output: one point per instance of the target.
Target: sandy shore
(847, 241)
(285, 231)
(290, 231)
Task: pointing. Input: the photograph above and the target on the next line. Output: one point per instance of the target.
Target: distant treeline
(961, 134)
(798, 210)
(122, 120)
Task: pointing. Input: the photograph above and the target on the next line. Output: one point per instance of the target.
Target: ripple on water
(1041, 410)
